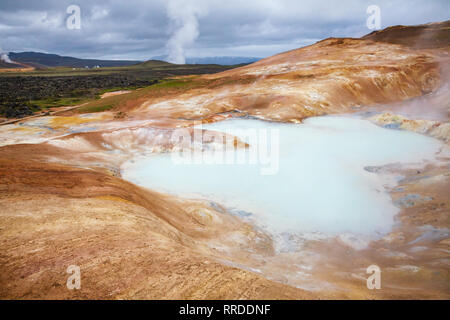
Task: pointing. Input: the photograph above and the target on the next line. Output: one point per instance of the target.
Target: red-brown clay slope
(426, 36)
(62, 201)
(331, 76)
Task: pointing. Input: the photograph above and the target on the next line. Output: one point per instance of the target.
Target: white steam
(183, 15)
(4, 56)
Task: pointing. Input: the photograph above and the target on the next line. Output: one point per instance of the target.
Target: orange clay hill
(63, 201)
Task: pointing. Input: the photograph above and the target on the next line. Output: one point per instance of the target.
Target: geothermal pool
(316, 182)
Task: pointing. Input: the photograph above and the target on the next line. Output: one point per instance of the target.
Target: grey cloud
(139, 29)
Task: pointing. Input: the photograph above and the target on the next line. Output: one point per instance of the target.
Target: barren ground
(63, 202)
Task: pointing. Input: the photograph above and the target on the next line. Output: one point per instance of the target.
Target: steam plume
(183, 15)
(4, 56)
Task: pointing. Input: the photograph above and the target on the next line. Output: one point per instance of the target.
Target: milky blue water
(318, 185)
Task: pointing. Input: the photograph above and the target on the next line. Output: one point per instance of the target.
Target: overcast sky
(141, 29)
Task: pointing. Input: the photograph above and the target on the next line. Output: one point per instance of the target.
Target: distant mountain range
(45, 60)
(41, 60)
(225, 61)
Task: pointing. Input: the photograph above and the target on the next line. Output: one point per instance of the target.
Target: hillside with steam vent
(69, 169)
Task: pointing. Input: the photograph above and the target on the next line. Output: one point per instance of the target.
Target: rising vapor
(4, 56)
(183, 15)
